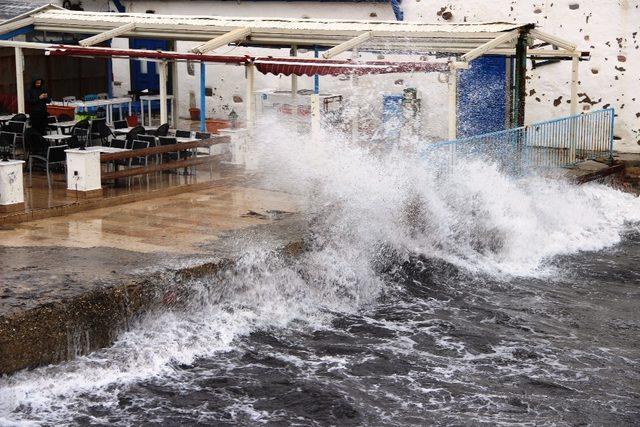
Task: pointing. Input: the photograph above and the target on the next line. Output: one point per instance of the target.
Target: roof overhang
(326, 33)
(468, 39)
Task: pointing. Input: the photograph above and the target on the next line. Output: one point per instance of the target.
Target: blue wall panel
(482, 92)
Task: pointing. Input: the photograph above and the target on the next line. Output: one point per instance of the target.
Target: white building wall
(607, 28)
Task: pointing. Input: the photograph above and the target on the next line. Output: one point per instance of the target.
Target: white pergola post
(162, 69)
(294, 78)
(453, 102)
(175, 102)
(575, 61)
(355, 122)
(20, 79)
(249, 96)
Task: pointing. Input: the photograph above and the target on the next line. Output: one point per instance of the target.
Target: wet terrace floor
(59, 257)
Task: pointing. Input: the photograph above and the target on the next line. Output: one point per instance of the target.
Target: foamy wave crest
(475, 216)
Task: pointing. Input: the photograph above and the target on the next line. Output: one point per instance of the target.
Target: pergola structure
(463, 42)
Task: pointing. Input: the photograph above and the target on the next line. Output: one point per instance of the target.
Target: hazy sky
(11, 8)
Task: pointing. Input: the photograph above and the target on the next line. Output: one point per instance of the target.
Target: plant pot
(132, 121)
(214, 125)
(194, 113)
(59, 110)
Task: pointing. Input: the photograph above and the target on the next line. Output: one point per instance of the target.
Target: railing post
(612, 112)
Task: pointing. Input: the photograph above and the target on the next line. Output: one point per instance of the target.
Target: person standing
(38, 98)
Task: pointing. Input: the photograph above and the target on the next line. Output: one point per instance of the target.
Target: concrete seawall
(56, 330)
(70, 285)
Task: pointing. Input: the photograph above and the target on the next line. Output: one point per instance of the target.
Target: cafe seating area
(147, 158)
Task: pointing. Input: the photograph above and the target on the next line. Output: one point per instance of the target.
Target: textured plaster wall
(609, 29)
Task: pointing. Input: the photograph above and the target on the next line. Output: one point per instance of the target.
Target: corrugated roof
(392, 35)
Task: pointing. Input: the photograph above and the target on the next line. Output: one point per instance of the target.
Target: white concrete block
(11, 185)
(238, 144)
(83, 170)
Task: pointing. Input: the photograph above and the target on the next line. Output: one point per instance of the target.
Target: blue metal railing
(555, 143)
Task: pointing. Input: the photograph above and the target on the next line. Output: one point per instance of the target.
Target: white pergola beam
(348, 45)
(224, 39)
(553, 40)
(15, 25)
(108, 35)
(485, 48)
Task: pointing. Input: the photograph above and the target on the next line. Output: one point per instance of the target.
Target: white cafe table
(107, 103)
(56, 137)
(148, 99)
(124, 131)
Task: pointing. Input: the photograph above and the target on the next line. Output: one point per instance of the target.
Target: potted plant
(194, 113)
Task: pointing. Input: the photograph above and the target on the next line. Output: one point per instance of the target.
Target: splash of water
(366, 209)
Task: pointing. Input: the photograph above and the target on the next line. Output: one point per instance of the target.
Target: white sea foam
(365, 208)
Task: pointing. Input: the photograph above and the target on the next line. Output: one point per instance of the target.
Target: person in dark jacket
(38, 98)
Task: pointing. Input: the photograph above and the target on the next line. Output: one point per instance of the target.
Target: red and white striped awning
(330, 67)
(70, 50)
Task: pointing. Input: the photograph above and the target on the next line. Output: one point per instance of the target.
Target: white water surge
(363, 209)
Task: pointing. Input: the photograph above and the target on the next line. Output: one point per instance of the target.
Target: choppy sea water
(421, 299)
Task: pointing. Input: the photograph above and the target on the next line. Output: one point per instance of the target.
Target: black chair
(153, 142)
(132, 135)
(119, 143)
(64, 118)
(168, 140)
(163, 130)
(51, 121)
(18, 128)
(100, 131)
(81, 131)
(183, 134)
(101, 113)
(20, 117)
(120, 124)
(8, 139)
(141, 160)
(41, 151)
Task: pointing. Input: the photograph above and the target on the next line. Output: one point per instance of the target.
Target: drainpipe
(316, 78)
(397, 10)
(203, 99)
(520, 80)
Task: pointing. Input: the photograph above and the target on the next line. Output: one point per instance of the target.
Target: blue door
(144, 74)
(482, 94)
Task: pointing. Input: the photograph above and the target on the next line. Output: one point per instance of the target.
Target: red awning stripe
(65, 50)
(326, 67)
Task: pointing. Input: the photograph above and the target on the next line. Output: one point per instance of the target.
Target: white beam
(249, 96)
(348, 45)
(556, 41)
(108, 35)
(483, 49)
(453, 103)
(224, 39)
(162, 71)
(11, 26)
(20, 79)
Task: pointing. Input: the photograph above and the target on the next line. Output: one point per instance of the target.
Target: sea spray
(367, 208)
